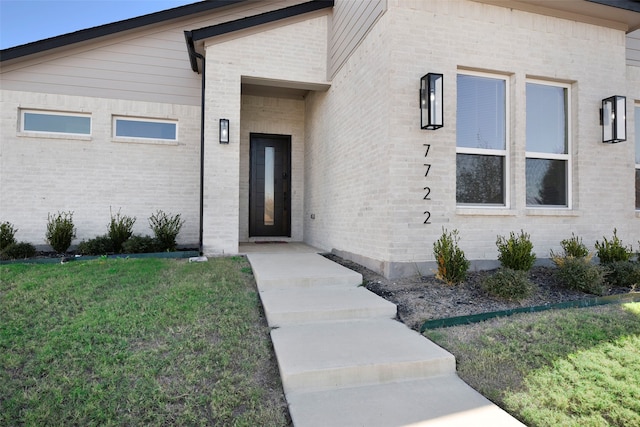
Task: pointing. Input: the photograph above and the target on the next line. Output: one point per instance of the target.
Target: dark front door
(270, 186)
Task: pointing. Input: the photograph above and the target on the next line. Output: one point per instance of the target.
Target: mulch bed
(421, 298)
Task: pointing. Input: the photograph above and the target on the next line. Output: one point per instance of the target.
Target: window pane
(481, 113)
(637, 120)
(142, 129)
(546, 119)
(269, 168)
(40, 122)
(480, 179)
(546, 182)
(637, 188)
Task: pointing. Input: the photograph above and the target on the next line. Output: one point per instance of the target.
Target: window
(637, 121)
(55, 122)
(547, 153)
(481, 140)
(145, 129)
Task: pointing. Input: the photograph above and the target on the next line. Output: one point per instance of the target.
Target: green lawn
(136, 342)
(578, 367)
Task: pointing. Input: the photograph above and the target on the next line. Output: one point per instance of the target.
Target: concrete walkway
(345, 361)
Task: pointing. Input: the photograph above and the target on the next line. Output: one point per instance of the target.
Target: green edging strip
(474, 318)
(177, 254)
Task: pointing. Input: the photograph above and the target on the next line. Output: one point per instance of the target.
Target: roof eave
(113, 28)
(200, 34)
(622, 15)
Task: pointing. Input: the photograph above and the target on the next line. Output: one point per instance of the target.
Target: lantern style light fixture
(431, 114)
(224, 131)
(613, 118)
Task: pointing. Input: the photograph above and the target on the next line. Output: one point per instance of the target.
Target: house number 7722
(427, 189)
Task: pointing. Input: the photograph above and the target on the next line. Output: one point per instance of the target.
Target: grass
(576, 367)
(136, 342)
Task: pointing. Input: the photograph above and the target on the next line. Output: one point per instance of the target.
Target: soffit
(619, 14)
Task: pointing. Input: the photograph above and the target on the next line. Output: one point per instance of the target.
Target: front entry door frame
(270, 185)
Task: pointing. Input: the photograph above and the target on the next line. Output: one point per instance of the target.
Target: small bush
(7, 235)
(140, 245)
(60, 231)
(120, 229)
(578, 273)
(573, 247)
(166, 229)
(509, 284)
(623, 273)
(516, 252)
(452, 264)
(20, 250)
(101, 245)
(614, 250)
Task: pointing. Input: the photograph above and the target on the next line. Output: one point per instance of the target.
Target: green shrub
(573, 247)
(614, 250)
(20, 250)
(578, 273)
(120, 229)
(7, 235)
(140, 245)
(452, 264)
(623, 273)
(516, 252)
(509, 284)
(101, 245)
(60, 231)
(166, 229)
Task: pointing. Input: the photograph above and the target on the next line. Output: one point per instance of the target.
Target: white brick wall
(358, 153)
(293, 51)
(279, 116)
(39, 175)
(381, 215)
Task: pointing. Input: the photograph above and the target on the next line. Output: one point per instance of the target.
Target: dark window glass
(480, 179)
(142, 129)
(546, 182)
(637, 188)
(57, 123)
(637, 120)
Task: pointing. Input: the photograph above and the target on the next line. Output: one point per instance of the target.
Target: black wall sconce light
(224, 131)
(431, 114)
(613, 118)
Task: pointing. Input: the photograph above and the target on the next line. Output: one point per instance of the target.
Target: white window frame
(493, 152)
(552, 156)
(115, 119)
(51, 133)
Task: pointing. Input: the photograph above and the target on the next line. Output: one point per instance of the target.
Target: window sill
(477, 211)
(552, 212)
(144, 141)
(44, 135)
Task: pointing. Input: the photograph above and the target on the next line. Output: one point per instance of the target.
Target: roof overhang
(623, 15)
(113, 29)
(195, 38)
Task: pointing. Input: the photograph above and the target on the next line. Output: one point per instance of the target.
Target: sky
(26, 21)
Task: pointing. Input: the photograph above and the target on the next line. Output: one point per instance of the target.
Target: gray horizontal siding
(351, 22)
(150, 64)
(633, 48)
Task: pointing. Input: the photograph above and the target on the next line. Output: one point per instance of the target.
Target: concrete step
(432, 402)
(300, 270)
(320, 304)
(323, 356)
